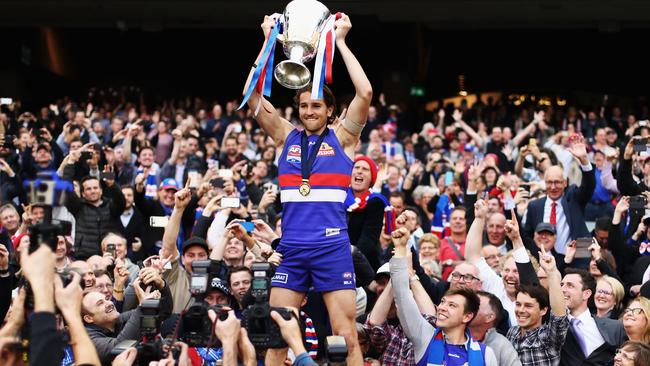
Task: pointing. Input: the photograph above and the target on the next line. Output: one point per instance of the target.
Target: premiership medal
(304, 188)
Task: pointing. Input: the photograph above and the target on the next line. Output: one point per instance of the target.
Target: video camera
(195, 327)
(263, 331)
(149, 348)
(48, 191)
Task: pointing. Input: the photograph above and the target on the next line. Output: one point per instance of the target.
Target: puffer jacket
(93, 222)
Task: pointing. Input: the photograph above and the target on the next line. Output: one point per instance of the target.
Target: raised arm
(474, 241)
(182, 199)
(350, 129)
(379, 312)
(268, 118)
(558, 303)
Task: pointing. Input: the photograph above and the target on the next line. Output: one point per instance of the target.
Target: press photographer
(107, 327)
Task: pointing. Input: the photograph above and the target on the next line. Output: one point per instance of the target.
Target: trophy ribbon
(324, 58)
(262, 80)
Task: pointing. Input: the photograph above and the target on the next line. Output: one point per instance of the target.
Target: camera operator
(107, 327)
(46, 345)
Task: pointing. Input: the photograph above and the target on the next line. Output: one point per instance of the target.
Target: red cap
(373, 168)
(493, 156)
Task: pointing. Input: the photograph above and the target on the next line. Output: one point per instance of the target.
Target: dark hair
(472, 302)
(602, 223)
(238, 269)
(588, 281)
(328, 97)
(537, 292)
(146, 147)
(85, 179)
(551, 155)
(415, 211)
(641, 352)
(495, 305)
(458, 208)
(398, 195)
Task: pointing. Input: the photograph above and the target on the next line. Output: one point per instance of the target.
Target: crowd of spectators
(517, 234)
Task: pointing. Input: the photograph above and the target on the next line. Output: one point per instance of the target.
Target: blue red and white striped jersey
(319, 217)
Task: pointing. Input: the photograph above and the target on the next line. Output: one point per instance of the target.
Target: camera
(638, 203)
(263, 331)
(195, 327)
(149, 348)
(336, 349)
(8, 141)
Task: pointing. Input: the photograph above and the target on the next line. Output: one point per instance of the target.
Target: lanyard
(307, 163)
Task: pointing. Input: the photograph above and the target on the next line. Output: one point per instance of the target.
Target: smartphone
(248, 226)
(108, 175)
(225, 173)
(158, 221)
(638, 203)
(643, 123)
(110, 248)
(217, 182)
(6, 101)
(212, 164)
(582, 245)
(449, 178)
(640, 145)
(85, 155)
(270, 187)
(230, 202)
(532, 142)
(236, 128)
(123, 346)
(194, 177)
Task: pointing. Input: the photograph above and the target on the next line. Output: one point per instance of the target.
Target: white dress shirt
(561, 226)
(125, 217)
(589, 329)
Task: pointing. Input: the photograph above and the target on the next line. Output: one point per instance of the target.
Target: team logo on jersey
(293, 154)
(347, 275)
(325, 150)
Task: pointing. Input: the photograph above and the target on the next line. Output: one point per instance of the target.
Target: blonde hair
(645, 305)
(617, 288)
(430, 238)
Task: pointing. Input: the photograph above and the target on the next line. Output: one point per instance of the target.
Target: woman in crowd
(608, 298)
(636, 320)
(632, 354)
(429, 253)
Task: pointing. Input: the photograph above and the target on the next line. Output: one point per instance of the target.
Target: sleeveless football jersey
(318, 218)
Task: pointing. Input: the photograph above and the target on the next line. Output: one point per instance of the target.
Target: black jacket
(364, 228)
(153, 235)
(93, 222)
(134, 229)
(46, 344)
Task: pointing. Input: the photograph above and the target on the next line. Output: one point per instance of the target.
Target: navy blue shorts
(325, 269)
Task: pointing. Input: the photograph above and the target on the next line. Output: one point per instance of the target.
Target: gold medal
(304, 188)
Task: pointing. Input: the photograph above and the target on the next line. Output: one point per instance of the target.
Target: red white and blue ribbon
(263, 74)
(324, 58)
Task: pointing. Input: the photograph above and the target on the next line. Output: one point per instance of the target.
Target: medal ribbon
(262, 79)
(307, 163)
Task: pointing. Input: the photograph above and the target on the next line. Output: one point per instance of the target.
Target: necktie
(575, 322)
(553, 219)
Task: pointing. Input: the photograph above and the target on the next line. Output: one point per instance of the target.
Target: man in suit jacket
(564, 206)
(590, 340)
(131, 225)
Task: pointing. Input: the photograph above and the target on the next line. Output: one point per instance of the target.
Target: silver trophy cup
(303, 22)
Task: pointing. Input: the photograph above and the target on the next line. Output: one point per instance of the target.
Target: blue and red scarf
(358, 204)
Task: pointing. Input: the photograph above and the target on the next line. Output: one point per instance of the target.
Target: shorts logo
(325, 150)
(332, 231)
(280, 277)
(347, 275)
(293, 154)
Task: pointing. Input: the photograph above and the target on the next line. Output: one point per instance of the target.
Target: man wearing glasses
(564, 207)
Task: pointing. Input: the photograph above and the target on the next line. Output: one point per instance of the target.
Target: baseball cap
(169, 183)
(195, 240)
(383, 270)
(218, 284)
(545, 226)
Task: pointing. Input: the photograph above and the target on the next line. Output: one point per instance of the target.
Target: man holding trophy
(314, 171)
